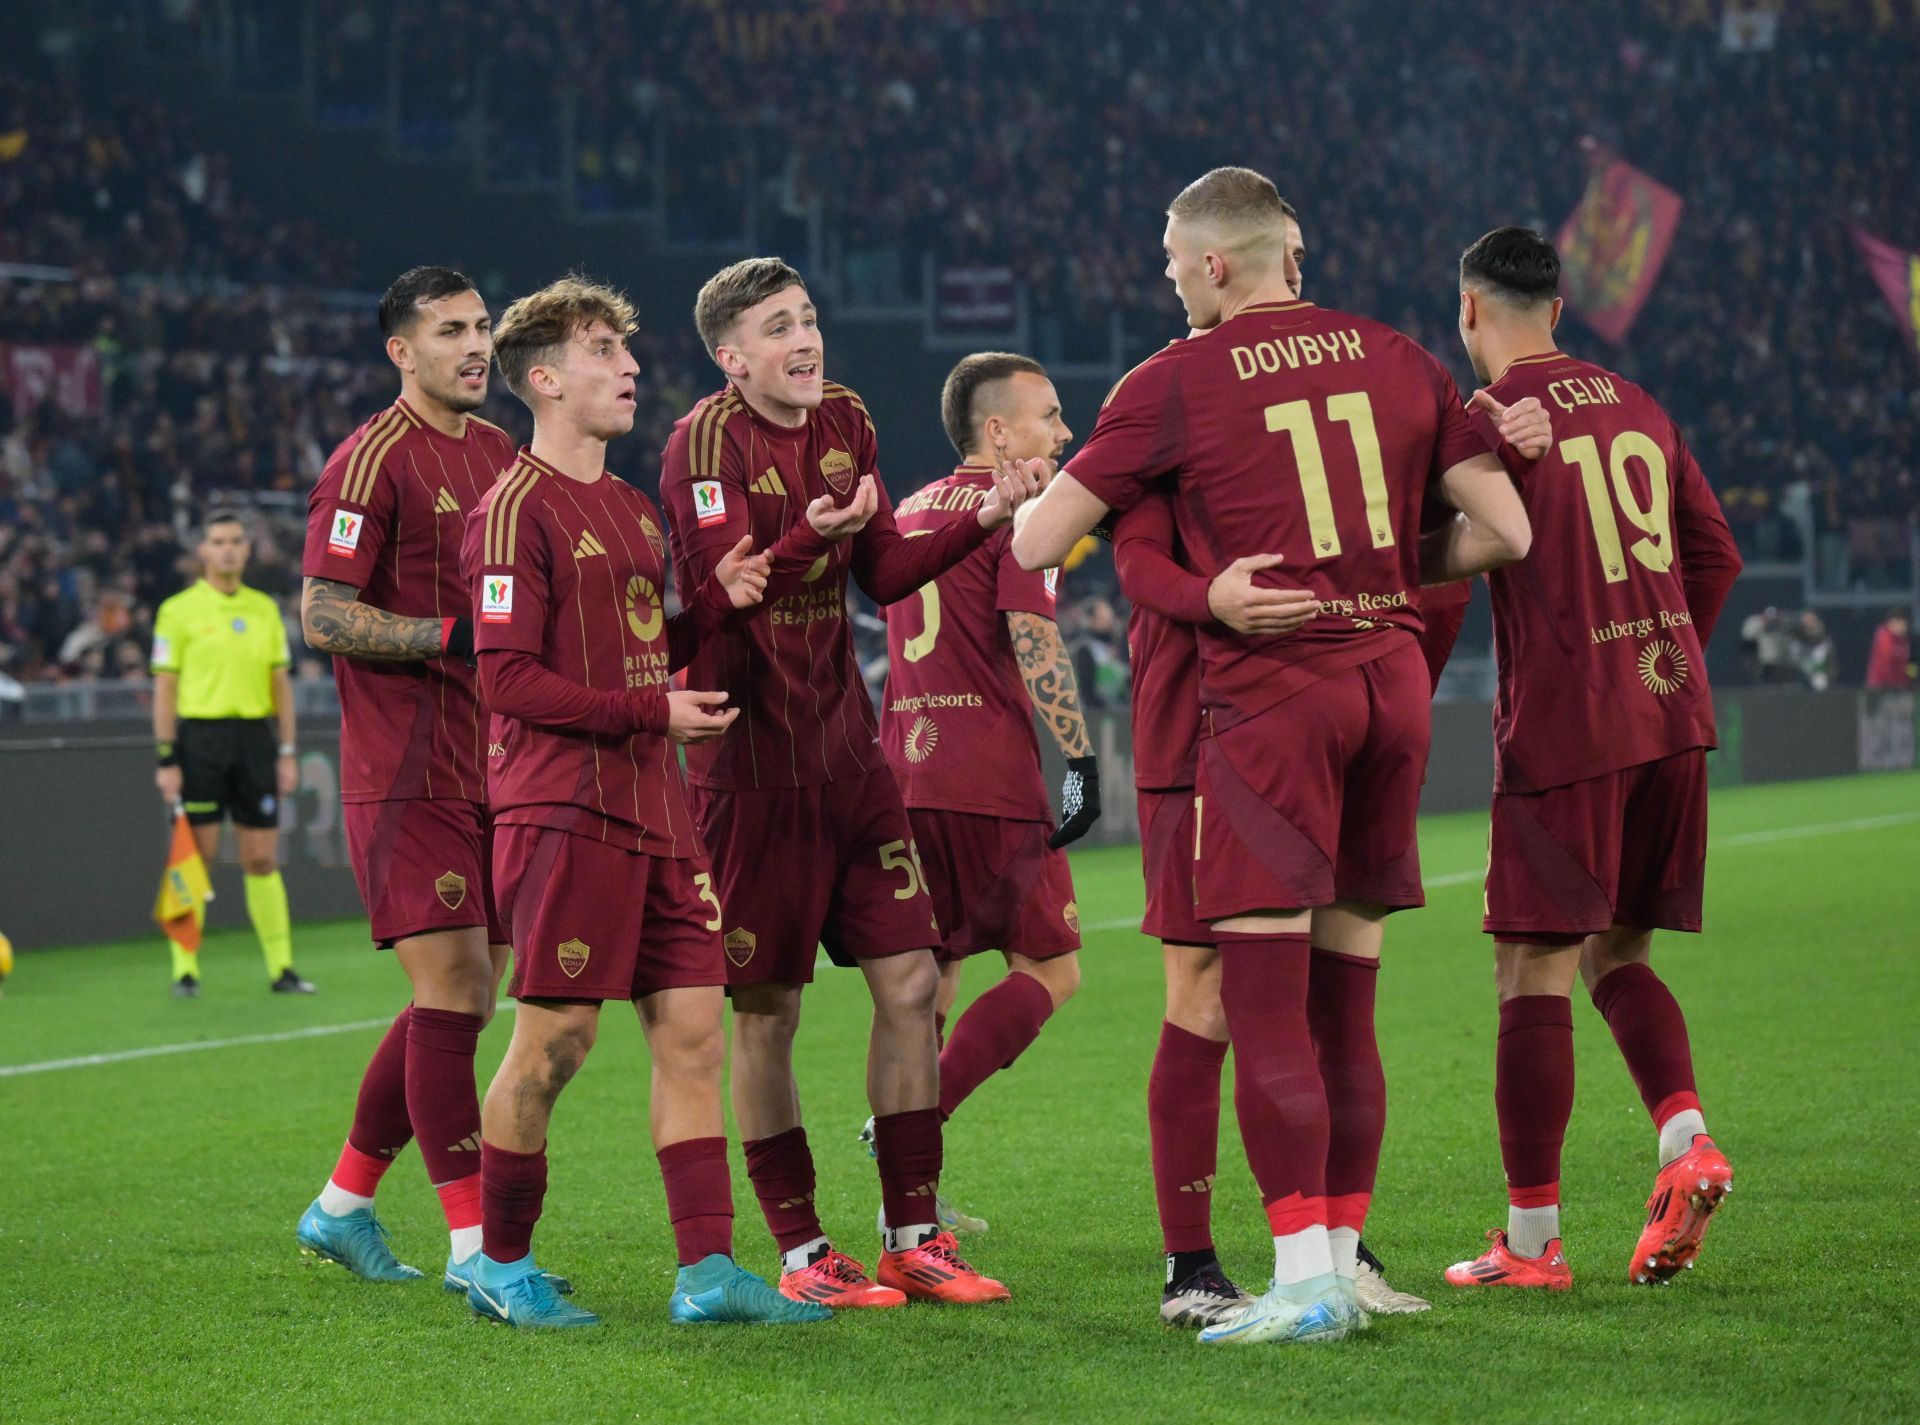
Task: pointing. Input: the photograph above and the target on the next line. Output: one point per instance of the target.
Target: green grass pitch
(148, 1269)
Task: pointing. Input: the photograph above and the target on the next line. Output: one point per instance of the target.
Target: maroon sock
(1278, 1096)
(781, 1170)
(1533, 1094)
(1340, 992)
(512, 1187)
(441, 1099)
(995, 1030)
(699, 1197)
(381, 1127)
(908, 1147)
(1652, 1034)
(1183, 1119)
(940, 1028)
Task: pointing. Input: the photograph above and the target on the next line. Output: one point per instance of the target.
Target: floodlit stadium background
(199, 202)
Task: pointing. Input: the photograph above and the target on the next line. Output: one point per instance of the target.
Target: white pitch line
(320, 1031)
(1825, 828)
(121, 1056)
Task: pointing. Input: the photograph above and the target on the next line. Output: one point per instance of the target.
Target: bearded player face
(448, 348)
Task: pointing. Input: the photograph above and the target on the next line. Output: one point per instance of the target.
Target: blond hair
(1242, 206)
(733, 290)
(534, 331)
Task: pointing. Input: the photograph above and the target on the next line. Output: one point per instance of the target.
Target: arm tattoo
(336, 621)
(1048, 671)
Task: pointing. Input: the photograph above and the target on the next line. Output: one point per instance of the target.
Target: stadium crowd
(223, 364)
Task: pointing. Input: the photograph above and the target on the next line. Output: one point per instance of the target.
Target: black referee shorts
(227, 769)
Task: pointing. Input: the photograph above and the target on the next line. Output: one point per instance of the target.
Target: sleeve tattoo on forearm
(345, 625)
(1048, 672)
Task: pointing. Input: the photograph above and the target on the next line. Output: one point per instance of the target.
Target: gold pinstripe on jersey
(503, 514)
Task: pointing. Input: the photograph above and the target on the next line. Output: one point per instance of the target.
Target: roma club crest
(451, 889)
(836, 468)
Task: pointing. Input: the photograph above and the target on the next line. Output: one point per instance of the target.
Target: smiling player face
(447, 349)
(776, 355)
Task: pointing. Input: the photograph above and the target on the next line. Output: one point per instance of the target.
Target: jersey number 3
(1655, 521)
(1354, 409)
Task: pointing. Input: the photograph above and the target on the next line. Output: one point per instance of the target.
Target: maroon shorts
(996, 885)
(422, 866)
(1628, 848)
(805, 867)
(1166, 856)
(1315, 800)
(594, 921)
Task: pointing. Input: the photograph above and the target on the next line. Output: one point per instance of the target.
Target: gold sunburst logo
(922, 737)
(644, 615)
(1663, 666)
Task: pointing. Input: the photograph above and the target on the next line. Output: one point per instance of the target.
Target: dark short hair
(400, 304)
(225, 514)
(732, 290)
(960, 397)
(1518, 264)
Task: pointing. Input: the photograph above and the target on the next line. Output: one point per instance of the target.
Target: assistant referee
(220, 683)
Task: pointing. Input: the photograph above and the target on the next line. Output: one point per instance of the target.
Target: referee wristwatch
(167, 754)
(287, 749)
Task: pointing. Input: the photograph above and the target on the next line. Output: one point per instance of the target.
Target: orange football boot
(836, 1280)
(1500, 1265)
(934, 1271)
(1685, 1196)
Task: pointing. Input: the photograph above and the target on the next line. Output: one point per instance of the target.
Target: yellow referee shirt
(224, 647)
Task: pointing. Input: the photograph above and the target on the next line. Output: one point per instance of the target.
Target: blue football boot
(1307, 1312)
(459, 1276)
(718, 1289)
(522, 1295)
(355, 1240)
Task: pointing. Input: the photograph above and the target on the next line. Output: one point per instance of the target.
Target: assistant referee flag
(181, 905)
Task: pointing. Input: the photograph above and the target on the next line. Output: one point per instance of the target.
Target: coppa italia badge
(496, 598)
(709, 503)
(343, 536)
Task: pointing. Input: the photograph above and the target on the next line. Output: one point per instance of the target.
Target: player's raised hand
(743, 574)
(688, 719)
(1250, 608)
(1524, 425)
(1014, 483)
(834, 523)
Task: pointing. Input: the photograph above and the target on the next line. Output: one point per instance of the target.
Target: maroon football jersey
(728, 472)
(1294, 430)
(957, 723)
(1600, 663)
(1164, 655)
(575, 574)
(387, 517)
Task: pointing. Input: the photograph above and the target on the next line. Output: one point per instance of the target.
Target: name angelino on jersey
(1639, 627)
(1307, 349)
